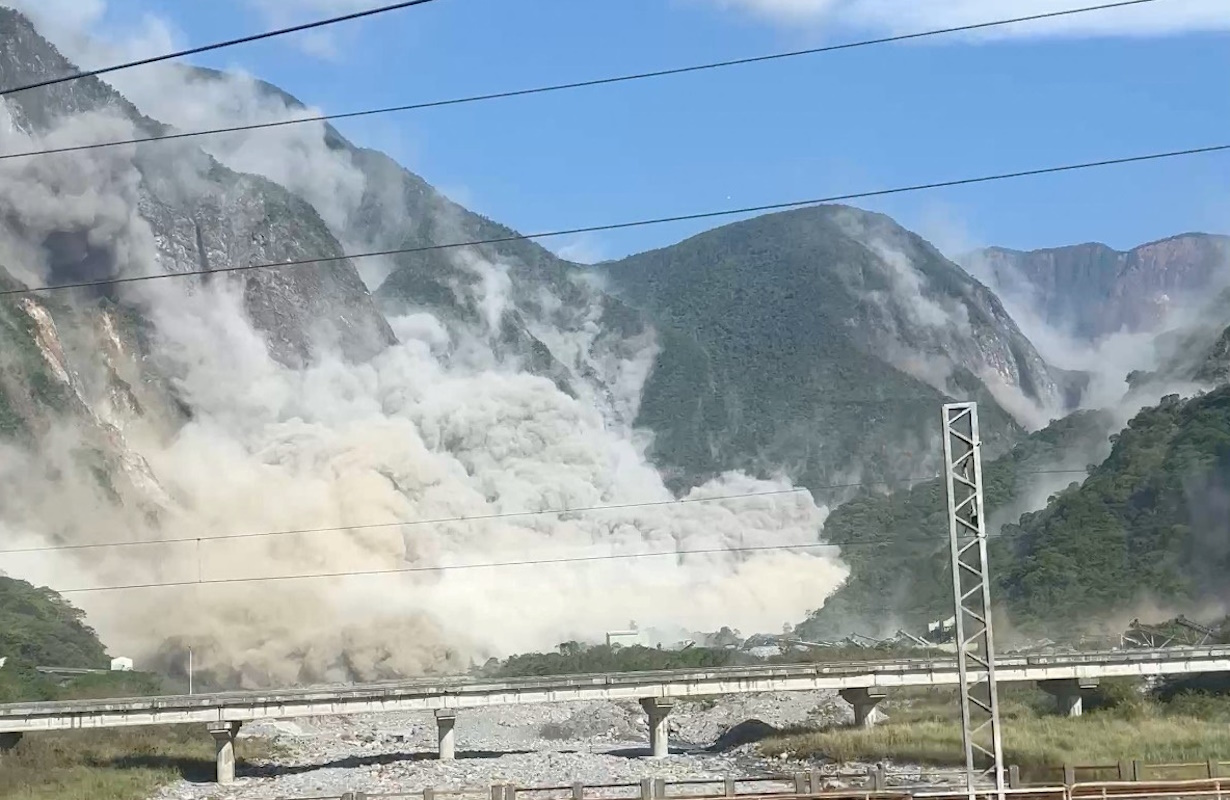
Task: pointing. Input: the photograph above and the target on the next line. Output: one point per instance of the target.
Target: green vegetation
(108, 764)
(1149, 523)
(775, 332)
(904, 581)
(573, 658)
(29, 390)
(116, 764)
(1119, 724)
(10, 423)
(38, 627)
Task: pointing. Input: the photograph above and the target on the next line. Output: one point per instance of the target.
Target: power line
(639, 223)
(500, 564)
(416, 522)
(455, 567)
(256, 37)
(577, 84)
(489, 517)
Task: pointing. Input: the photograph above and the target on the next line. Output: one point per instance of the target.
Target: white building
(623, 638)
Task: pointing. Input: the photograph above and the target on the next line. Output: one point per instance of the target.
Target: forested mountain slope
(897, 544)
(1150, 524)
(823, 340)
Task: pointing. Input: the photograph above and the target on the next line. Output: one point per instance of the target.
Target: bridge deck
(465, 692)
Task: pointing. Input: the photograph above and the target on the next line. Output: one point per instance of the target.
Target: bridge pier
(8, 741)
(1067, 693)
(445, 719)
(224, 745)
(658, 708)
(864, 701)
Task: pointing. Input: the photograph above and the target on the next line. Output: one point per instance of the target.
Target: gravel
(530, 745)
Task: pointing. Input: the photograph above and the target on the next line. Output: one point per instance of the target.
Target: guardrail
(1135, 771)
(876, 783)
(462, 692)
(1217, 789)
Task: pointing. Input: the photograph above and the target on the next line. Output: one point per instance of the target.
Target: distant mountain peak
(1091, 290)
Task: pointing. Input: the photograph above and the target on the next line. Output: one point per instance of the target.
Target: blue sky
(813, 126)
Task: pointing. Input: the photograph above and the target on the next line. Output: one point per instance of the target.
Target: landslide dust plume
(436, 427)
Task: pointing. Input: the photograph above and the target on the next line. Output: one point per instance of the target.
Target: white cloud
(582, 249)
(288, 9)
(85, 23)
(324, 43)
(907, 16)
(75, 14)
(82, 31)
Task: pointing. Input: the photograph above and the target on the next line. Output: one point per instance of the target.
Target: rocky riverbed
(531, 745)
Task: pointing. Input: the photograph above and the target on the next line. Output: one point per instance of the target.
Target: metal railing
(1136, 771)
(461, 685)
(1132, 780)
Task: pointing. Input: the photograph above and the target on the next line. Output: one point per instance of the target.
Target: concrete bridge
(862, 684)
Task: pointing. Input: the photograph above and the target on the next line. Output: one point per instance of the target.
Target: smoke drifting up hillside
(925, 329)
(1109, 359)
(436, 427)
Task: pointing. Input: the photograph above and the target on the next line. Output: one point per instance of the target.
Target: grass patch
(113, 764)
(923, 727)
(107, 764)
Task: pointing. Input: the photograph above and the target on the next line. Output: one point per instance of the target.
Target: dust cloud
(402, 438)
(407, 461)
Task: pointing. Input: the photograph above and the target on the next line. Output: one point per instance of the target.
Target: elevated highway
(862, 684)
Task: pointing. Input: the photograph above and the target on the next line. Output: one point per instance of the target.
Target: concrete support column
(445, 719)
(8, 741)
(1067, 693)
(658, 708)
(864, 701)
(224, 745)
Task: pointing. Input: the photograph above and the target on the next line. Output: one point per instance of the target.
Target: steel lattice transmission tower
(972, 599)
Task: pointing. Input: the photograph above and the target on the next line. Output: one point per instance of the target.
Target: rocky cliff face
(199, 214)
(531, 308)
(1091, 290)
(1193, 354)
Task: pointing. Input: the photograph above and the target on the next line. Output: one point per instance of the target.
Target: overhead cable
(501, 564)
(582, 84)
(918, 187)
(490, 517)
(192, 51)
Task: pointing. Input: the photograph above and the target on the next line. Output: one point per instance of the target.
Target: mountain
(824, 340)
(219, 220)
(1148, 526)
(84, 360)
(1194, 353)
(594, 331)
(897, 544)
(469, 386)
(1145, 529)
(1091, 290)
(536, 310)
(1083, 549)
(40, 628)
